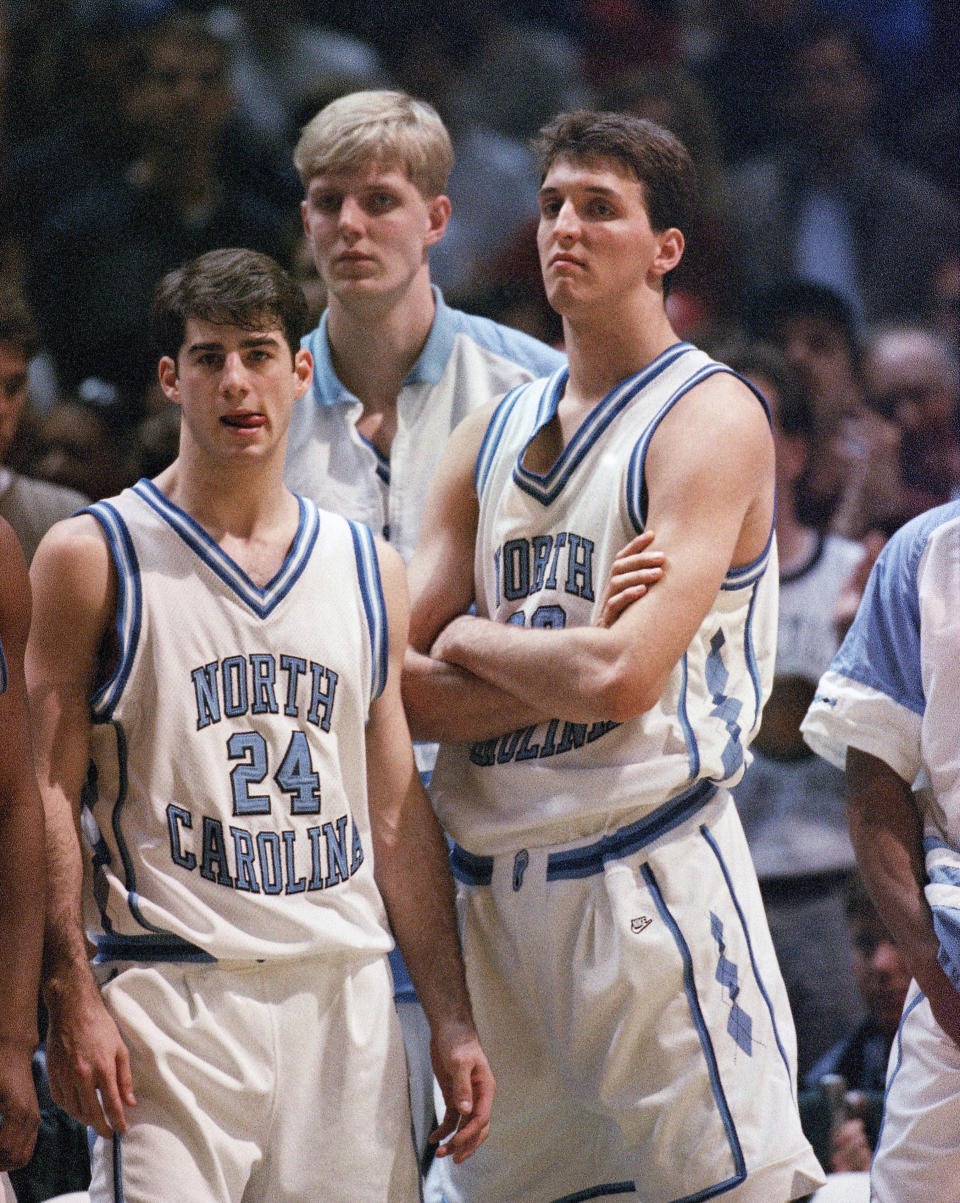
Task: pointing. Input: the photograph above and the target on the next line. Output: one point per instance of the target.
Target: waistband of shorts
(160, 947)
(473, 870)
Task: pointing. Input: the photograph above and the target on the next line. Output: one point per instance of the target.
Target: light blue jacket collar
(428, 369)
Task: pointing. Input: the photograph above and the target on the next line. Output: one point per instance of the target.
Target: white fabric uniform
(465, 363)
(231, 865)
(621, 972)
(892, 692)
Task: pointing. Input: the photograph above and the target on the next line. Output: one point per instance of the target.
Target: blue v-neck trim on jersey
(545, 487)
(260, 600)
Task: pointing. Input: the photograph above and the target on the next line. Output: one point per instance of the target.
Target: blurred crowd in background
(138, 133)
(822, 263)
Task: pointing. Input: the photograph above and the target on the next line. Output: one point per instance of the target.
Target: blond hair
(382, 126)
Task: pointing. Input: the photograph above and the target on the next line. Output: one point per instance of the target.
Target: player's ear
(303, 370)
(438, 213)
(167, 375)
(669, 252)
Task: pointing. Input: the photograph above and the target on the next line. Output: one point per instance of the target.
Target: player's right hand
(466, 1082)
(635, 569)
(850, 1151)
(19, 1113)
(87, 1062)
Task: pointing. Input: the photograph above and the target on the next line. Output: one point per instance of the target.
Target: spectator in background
(30, 506)
(790, 801)
(82, 442)
(102, 252)
(614, 36)
(911, 377)
(898, 36)
(828, 204)
(704, 289)
(741, 62)
(943, 312)
(278, 54)
(851, 482)
(860, 1059)
(492, 184)
(89, 143)
(523, 72)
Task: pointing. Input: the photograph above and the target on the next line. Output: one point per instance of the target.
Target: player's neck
(373, 345)
(237, 504)
(603, 349)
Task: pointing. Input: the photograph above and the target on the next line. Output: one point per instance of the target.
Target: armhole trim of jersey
(129, 612)
(4, 674)
(374, 606)
(636, 489)
(753, 668)
(491, 438)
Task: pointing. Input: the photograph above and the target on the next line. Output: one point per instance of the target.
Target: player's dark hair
(657, 158)
(18, 327)
(230, 288)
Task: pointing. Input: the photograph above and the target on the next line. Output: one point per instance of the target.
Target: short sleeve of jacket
(872, 697)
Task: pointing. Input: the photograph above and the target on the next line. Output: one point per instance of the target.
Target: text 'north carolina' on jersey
(545, 546)
(226, 806)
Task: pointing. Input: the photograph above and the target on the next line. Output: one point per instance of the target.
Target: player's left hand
(452, 637)
(19, 1113)
(635, 569)
(466, 1081)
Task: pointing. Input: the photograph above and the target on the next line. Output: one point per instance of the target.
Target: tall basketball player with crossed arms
(623, 979)
(215, 667)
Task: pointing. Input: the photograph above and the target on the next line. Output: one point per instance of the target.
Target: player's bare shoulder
(77, 548)
(720, 421)
(712, 458)
(728, 407)
(396, 596)
(74, 582)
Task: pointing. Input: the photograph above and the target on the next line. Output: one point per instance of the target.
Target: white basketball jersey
(226, 805)
(545, 545)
